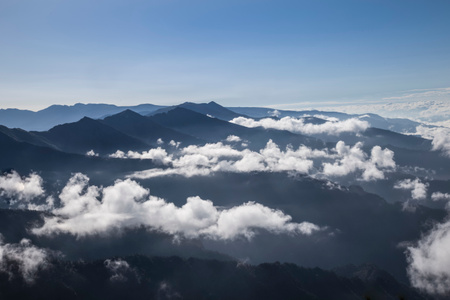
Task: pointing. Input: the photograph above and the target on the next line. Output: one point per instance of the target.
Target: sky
(238, 53)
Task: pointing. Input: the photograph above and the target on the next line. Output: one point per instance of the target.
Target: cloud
(330, 127)
(417, 187)
(159, 155)
(21, 188)
(217, 157)
(87, 210)
(352, 159)
(233, 138)
(440, 196)
(23, 257)
(91, 153)
(440, 137)
(429, 261)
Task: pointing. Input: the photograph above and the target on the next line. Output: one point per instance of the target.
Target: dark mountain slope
(141, 277)
(21, 135)
(88, 134)
(143, 128)
(25, 157)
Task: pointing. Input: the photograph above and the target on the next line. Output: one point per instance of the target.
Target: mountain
(143, 128)
(21, 135)
(215, 130)
(141, 277)
(88, 134)
(211, 109)
(25, 157)
(59, 114)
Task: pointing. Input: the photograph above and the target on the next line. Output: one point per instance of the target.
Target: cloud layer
(218, 157)
(330, 127)
(87, 210)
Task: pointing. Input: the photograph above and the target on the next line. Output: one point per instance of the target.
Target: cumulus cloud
(15, 187)
(352, 159)
(91, 153)
(233, 138)
(440, 196)
(23, 257)
(417, 187)
(159, 155)
(330, 127)
(342, 160)
(88, 210)
(429, 261)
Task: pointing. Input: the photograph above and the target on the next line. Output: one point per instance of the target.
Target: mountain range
(309, 199)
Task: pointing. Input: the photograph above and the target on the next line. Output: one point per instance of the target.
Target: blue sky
(237, 53)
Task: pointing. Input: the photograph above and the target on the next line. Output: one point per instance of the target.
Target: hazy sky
(234, 52)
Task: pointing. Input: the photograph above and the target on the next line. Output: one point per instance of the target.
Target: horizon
(250, 53)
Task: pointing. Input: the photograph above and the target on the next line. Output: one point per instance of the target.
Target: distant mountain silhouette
(212, 109)
(88, 134)
(143, 128)
(59, 114)
(381, 137)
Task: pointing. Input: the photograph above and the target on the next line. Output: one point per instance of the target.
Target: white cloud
(233, 138)
(21, 188)
(160, 141)
(352, 159)
(440, 196)
(274, 113)
(417, 187)
(159, 155)
(91, 153)
(174, 144)
(26, 257)
(88, 210)
(440, 137)
(429, 261)
(203, 160)
(218, 157)
(330, 127)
